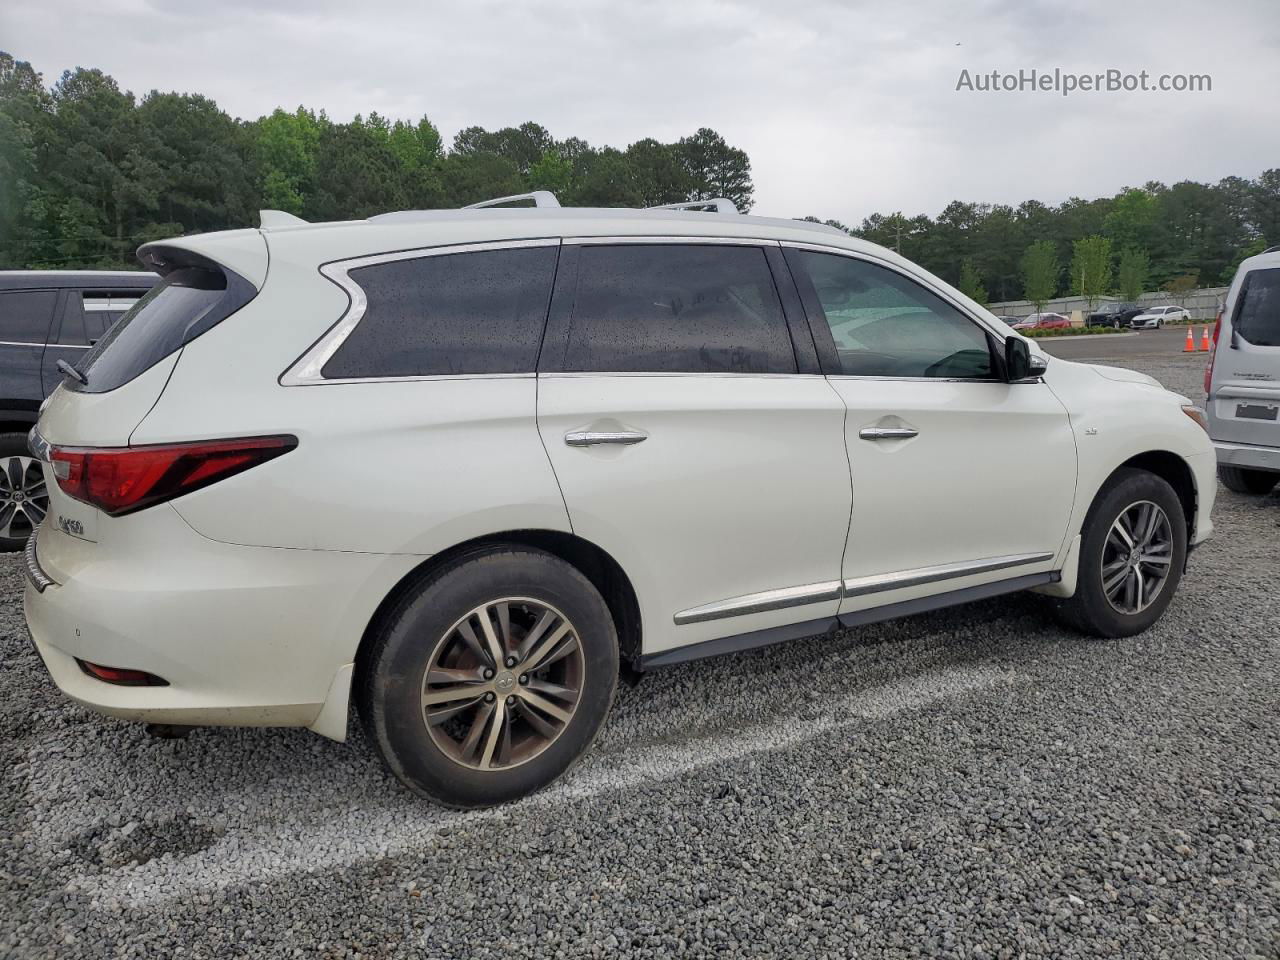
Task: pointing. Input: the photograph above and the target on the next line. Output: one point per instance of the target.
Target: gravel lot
(971, 783)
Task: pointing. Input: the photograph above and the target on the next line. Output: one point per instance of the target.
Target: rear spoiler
(242, 252)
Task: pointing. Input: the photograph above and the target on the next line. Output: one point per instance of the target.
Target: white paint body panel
(251, 595)
(741, 486)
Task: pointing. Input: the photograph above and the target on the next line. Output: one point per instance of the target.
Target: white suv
(466, 466)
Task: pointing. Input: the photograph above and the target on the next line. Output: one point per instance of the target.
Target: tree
(971, 283)
(1131, 278)
(1040, 273)
(1091, 268)
(716, 169)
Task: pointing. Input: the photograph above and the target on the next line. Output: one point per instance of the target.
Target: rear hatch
(1245, 390)
(101, 400)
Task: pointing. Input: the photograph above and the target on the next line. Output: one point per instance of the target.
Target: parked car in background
(46, 316)
(1242, 379)
(459, 466)
(1114, 314)
(1042, 321)
(1011, 321)
(1155, 317)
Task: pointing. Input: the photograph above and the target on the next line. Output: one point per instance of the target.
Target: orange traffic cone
(1204, 341)
(1191, 342)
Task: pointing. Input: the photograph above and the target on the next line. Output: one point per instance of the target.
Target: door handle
(887, 433)
(588, 438)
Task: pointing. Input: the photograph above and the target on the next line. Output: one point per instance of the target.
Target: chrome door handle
(585, 438)
(887, 433)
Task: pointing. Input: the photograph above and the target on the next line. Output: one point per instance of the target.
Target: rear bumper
(242, 635)
(1247, 455)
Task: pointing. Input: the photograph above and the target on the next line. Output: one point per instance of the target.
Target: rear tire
(1243, 480)
(469, 725)
(1157, 563)
(24, 501)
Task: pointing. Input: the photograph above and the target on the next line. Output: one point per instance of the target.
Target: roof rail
(540, 198)
(1275, 249)
(270, 219)
(718, 204)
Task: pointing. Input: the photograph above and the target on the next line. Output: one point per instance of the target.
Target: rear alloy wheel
(1243, 480)
(1132, 550)
(490, 678)
(24, 500)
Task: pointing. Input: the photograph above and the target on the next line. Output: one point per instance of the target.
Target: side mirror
(1019, 364)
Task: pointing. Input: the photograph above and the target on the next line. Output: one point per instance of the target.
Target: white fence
(1202, 303)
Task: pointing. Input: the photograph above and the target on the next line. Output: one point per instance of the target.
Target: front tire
(1132, 550)
(491, 678)
(1243, 480)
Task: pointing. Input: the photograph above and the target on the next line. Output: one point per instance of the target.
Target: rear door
(1245, 405)
(690, 439)
(959, 478)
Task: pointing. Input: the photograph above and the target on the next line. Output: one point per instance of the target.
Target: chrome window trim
(897, 268)
(880, 582)
(306, 370)
(642, 239)
(785, 597)
(761, 602)
(29, 343)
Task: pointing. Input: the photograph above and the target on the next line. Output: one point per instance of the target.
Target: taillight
(1213, 352)
(120, 480)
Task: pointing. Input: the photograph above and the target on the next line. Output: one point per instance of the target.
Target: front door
(959, 478)
(687, 442)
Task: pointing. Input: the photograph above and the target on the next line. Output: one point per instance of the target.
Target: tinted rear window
(186, 303)
(1257, 318)
(459, 313)
(677, 308)
(25, 315)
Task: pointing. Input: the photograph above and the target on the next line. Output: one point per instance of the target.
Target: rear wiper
(67, 370)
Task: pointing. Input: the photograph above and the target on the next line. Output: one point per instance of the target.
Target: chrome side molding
(761, 602)
(801, 596)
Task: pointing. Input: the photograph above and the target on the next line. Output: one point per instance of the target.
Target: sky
(844, 108)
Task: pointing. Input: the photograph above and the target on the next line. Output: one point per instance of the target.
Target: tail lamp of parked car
(121, 480)
(1213, 353)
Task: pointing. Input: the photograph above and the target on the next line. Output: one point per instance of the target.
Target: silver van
(1243, 378)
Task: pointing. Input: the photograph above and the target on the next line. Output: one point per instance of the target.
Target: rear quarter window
(471, 312)
(1257, 319)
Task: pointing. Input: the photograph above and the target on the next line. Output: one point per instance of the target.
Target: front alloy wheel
(1136, 557)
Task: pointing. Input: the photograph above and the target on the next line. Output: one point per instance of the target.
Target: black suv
(46, 316)
(1114, 314)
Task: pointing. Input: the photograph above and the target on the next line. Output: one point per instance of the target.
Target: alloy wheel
(503, 683)
(24, 500)
(1137, 557)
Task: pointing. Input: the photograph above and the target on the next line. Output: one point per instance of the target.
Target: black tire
(1243, 480)
(1089, 611)
(389, 689)
(20, 474)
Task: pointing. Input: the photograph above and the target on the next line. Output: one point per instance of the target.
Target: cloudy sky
(844, 108)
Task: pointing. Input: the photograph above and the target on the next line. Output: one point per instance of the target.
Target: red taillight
(124, 479)
(1213, 352)
(120, 676)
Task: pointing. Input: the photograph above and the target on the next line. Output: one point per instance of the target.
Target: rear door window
(187, 302)
(25, 315)
(1257, 319)
(472, 312)
(676, 308)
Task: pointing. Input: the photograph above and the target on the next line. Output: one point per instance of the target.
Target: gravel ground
(972, 783)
